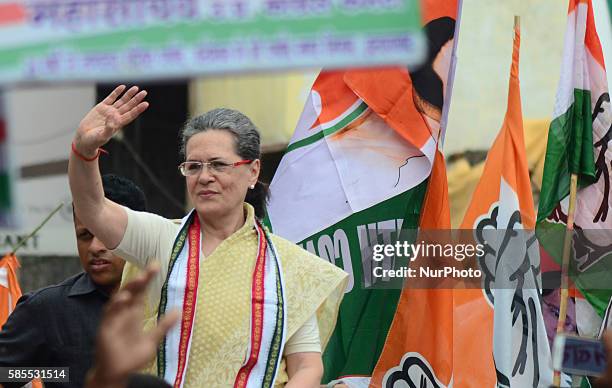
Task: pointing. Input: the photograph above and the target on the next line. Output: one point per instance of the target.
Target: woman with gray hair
(256, 310)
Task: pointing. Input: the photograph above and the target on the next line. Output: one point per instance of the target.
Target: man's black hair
(124, 192)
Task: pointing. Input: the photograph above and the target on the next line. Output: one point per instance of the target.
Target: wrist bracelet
(83, 157)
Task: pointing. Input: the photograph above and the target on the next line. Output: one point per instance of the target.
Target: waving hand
(108, 117)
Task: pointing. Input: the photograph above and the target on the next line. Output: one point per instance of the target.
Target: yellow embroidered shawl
(221, 328)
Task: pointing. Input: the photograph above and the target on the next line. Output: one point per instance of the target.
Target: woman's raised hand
(108, 117)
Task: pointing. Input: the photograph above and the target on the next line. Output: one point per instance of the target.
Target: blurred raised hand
(122, 346)
(117, 110)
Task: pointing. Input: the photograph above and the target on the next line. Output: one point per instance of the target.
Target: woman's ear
(255, 168)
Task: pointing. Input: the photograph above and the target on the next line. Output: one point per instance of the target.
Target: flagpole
(25, 240)
(565, 265)
(451, 78)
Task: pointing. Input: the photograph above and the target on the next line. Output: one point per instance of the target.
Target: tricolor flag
(355, 174)
(10, 291)
(578, 143)
(506, 312)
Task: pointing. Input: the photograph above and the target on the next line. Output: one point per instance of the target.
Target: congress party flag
(578, 143)
(511, 349)
(355, 174)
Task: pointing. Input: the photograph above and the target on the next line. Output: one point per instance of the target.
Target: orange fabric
(435, 9)
(423, 322)
(7, 305)
(591, 39)
(10, 295)
(336, 97)
(507, 159)
(574, 3)
(473, 340)
(388, 92)
(436, 209)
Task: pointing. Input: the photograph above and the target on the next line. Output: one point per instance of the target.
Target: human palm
(124, 338)
(108, 117)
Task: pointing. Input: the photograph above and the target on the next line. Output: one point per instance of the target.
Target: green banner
(109, 39)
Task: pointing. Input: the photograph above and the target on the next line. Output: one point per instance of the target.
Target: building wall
(41, 122)
(484, 53)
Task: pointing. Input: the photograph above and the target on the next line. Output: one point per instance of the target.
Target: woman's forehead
(213, 142)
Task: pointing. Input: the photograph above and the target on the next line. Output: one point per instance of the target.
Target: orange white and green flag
(511, 349)
(579, 143)
(355, 175)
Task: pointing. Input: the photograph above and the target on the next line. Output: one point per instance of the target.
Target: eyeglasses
(191, 168)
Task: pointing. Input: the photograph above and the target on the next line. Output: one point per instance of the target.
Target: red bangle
(83, 157)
